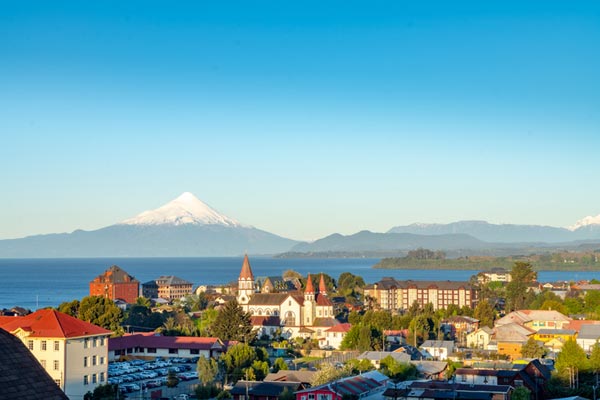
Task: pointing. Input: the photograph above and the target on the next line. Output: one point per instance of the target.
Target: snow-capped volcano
(589, 220)
(186, 209)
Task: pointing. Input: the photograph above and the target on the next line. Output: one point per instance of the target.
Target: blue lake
(37, 283)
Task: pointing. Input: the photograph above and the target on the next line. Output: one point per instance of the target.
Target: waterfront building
(115, 284)
(73, 352)
(494, 275)
(391, 294)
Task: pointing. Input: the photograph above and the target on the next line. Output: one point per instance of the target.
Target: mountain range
(188, 227)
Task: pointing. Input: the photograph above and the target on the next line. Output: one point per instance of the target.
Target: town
(501, 335)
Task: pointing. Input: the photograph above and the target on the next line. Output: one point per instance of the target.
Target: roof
(345, 327)
(354, 385)
(265, 320)
(267, 299)
(165, 342)
(291, 376)
(589, 332)
(48, 323)
(389, 283)
(309, 285)
(556, 332)
(512, 332)
(246, 271)
(448, 344)
(322, 287)
(264, 389)
(523, 316)
(380, 355)
(576, 324)
(114, 274)
(21, 375)
(459, 387)
(325, 322)
(322, 300)
(428, 368)
(171, 280)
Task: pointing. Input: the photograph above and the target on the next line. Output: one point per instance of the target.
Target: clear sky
(301, 118)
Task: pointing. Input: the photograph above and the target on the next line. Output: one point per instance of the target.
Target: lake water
(37, 283)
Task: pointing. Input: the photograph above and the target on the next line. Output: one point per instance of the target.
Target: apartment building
(115, 284)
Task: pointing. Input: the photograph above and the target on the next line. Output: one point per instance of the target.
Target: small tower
(322, 286)
(309, 303)
(245, 283)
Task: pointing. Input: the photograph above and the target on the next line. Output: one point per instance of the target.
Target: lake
(37, 283)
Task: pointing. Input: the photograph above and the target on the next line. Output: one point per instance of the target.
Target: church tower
(322, 286)
(245, 284)
(309, 303)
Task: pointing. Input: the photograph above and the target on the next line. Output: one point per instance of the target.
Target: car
(182, 396)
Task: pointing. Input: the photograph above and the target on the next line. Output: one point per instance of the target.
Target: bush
(207, 391)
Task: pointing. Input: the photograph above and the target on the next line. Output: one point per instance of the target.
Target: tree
(101, 311)
(328, 373)
(206, 321)
(595, 359)
(522, 275)
(103, 392)
(485, 313)
(70, 307)
(521, 393)
(239, 361)
(233, 323)
(570, 361)
(397, 371)
(279, 364)
(287, 394)
(362, 338)
(291, 274)
(172, 379)
(360, 366)
(532, 349)
(208, 369)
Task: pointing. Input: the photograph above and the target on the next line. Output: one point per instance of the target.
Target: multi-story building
(73, 352)
(494, 275)
(391, 294)
(167, 287)
(115, 284)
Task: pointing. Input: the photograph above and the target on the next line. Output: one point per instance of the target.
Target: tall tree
(101, 311)
(208, 369)
(522, 275)
(485, 313)
(532, 349)
(570, 361)
(233, 323)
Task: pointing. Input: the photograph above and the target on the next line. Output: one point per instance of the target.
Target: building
(257, 390)
(588, 336)
(305, 314)
(459, 326)
(438, 349)
(445, 391)
(368, 385)
(332, 337)
(536, 319)
(391, 294)
(115, 284)
(509, 339)
(150, 290)
(480, 338)
(73, 352)
(152, 345)
(21, 374)
(173, 288)
(275, 284)
(494, 275)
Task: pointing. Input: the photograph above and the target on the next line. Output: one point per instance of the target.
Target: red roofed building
(115, 284)
(332, 337)
(73, 352)
(153, 345)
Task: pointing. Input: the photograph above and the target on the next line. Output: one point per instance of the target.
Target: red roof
(165, 342)
(309, 286)
(50, 323)
(246, 271)
(576, 324)
(345, 327)
(268, 320)
(322, 287)
(322, 300)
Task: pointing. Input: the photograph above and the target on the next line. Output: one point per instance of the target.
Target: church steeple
(322, 286)
(309, 291)
(245, 282)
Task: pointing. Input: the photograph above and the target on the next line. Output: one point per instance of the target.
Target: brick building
(114, 284)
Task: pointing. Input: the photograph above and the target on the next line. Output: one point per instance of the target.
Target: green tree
(532, 349)
(101, 311)
(570, 361)
(397, 371)
(522, 275)
(485, 313)
(208, 369)
(206, 321)
(70, 307)
(279, 364)
(360, 366)
(287, 394)
(521, 393)
(103, 392)
(362, 338)
(143, 301)
(595, 359)
(328, 373)
(233, 323)
(172, 380)
(239, 360)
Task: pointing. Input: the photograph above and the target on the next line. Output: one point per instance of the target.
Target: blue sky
(300, 118)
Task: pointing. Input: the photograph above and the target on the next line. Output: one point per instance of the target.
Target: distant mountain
(508, 233)
(185, 227)
(370, 241)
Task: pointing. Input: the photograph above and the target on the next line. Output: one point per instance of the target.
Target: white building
(73, 352)
(438, 349)
(588, 336)
(332, 337)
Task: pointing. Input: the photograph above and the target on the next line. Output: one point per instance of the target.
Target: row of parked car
(137, 375)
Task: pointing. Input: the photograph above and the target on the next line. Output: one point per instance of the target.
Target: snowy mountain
(184, 227)
(186, 209)
(585, 222)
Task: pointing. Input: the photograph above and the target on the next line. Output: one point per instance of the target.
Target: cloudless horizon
(302, 119)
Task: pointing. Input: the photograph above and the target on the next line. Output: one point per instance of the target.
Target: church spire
(322, 286)
(309, 286)
(246, 271)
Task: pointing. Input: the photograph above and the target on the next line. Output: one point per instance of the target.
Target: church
(293, 314)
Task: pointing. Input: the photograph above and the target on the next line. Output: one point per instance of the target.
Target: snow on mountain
(589, 220)
(186, 209)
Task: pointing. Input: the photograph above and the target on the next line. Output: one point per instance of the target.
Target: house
(114, 284)
(255, 390)
(303, 376)
(369, 385)
(73, 352)
(547, 335)
(275, 284)
(412, 351)
(459, 326)
(494, 275)
(588, 336)
(332, 337)
(510, 338)
(480, 338)
(434, 390)
(391, 294)
(153, 345)
(536, 319)
(375, 357)
(438, 349)
(434, 370)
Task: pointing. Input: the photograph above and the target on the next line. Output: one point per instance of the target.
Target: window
(30, 344)
(151, 350)
(43, 347)
(102, 341)
(85, 380)
(95, 342)
(94, 378)
(101, 376)
(93, 360)
(173, 351)
(56, 365)
(101, 360)
(194, 351)
(56, 345)
(85, 362)
(311, 396)
(86, 344)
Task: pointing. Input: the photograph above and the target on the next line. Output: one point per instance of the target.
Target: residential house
(115, 284)
(480, 338)
(433, 370)
(588, 336)
(554, 338)
(459, 326)
(494, 275)
(22, 375)
(332, 337)
(73, 352)
(536, 319)
(434, 390)
(153, 345)
(256, 390)
(369, 385)
(305, 377)
(375, 357)
(391, 294)
(510, 338)
(438, 349)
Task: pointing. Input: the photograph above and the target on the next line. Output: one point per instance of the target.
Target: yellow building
(546, 335)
